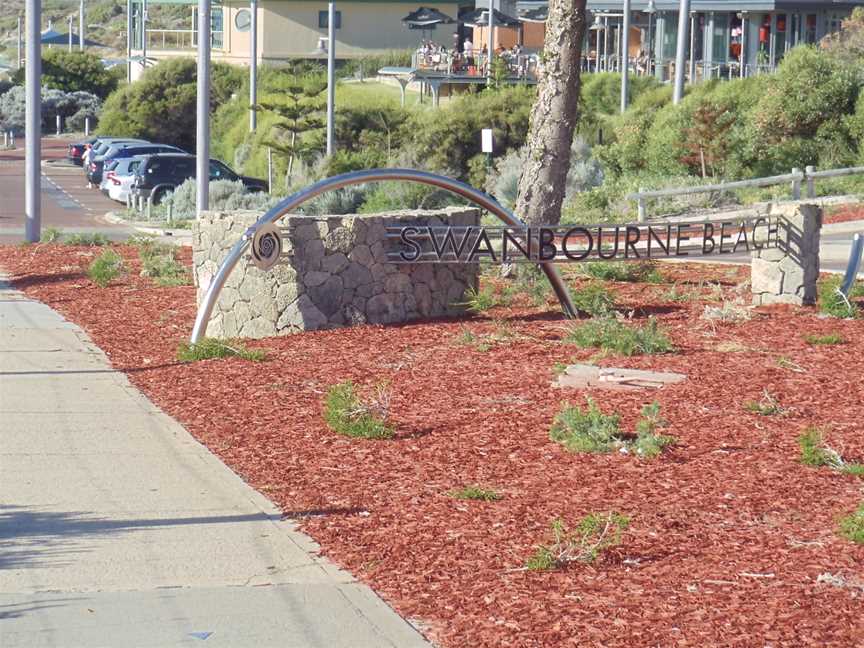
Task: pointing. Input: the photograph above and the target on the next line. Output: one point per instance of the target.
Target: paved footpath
(117, 528)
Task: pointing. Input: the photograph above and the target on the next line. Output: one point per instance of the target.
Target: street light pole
(80, 27)
(143, 34)
(650, 9)
(18, 60)
(331, 73)
(69, 25)
(490, 50)
(681, 50)
(625, 59)
(33, 125)
(128, 41)
(253, 63)
(202, 131)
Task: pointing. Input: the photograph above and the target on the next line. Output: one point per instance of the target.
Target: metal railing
(179, 39)
(795, 178)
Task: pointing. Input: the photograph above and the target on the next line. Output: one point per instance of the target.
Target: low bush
(91, 240)
(163, 268)
(51, 235)
(474, 492)
(828, 339)
(349, 414)
(225, 195)
(768, 405)
(728, 311)
(815, 452)
(610, 335)
(852, 526)
(594, 299)
(640, 272)
(649, 443)
(595, 534)
(478, 301)
(211, 348)
(832, 302)
(105, 268)
(588, 430)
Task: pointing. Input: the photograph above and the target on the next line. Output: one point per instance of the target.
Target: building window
(323, 22)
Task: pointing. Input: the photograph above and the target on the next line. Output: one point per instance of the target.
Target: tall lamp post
(253, 63)
(33, 125)
(202, 122)
(80, 26)
(651, 9)
(489, 46)
(69, 26)
(625, 58)
(681, 50)
(331, 73)
(128, 41)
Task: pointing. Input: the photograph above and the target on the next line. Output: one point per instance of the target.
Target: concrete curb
(180, 236)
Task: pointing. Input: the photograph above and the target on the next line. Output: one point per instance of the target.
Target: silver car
(117, 179)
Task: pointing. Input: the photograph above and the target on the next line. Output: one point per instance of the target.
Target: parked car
(118, 176)
(75, 151)
(124, 150)
(161, 174)
(101, 145)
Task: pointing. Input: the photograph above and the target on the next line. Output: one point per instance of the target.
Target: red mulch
(843, 214)
(729, 531)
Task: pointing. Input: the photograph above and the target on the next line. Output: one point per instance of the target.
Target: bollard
(12, 139)
(5, 140)
(147, 210)
(128, 201)
(811, 181)
(170, 216)
(796, 185)
(57, 119)
(269, 170)
(87, 126)
(641, 206)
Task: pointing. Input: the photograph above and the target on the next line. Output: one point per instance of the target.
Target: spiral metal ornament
(266, 246)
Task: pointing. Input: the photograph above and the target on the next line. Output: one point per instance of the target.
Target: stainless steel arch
(359, 177)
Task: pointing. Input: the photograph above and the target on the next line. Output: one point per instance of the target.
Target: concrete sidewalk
(117, 528)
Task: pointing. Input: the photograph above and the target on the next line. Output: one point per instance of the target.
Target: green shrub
(586, 431)
(814, 452)
(611, 335)
(638, 272)
(346, 413)
(164, 269)
(852, 526)
(827, 339)
(832, 302)
(210, 348)
(768, 405)
(648, 443)
(478, 301)
(594, 299)
(474, 492)
(91, 240)
(595, 534)
(51, 235)
(105, 268)
(531, 281)
(75, 71)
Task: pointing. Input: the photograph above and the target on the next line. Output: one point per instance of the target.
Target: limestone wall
(334, 273)
(787, 274)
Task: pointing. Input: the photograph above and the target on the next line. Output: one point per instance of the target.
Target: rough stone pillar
(787, 273)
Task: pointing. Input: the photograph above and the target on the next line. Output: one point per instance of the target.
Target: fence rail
(796, 177)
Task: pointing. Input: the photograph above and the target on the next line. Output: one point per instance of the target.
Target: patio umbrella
(425, 17)
(51, 37)
(537, 15)
(480, 18)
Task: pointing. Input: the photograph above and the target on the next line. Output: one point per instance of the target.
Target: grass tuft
(475, 492)
(768, 405)
(852, 526)
(609, 334)
(91, 240)
(832, 302)
(827, 340)
(478, 301)
(211, 348)
(105, 268)
(815, 452)
(594, 299)
(51, 235)
(347, 413)
(641, 272)
(595, 534)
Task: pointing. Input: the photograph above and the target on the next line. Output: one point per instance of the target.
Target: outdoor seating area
(512, 62)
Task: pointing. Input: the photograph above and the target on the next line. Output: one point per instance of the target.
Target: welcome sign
(471, 244)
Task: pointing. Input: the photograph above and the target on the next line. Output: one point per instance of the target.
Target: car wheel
(159, 195)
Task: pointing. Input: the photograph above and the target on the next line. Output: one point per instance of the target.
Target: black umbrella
(480, 18)
(52, 37)
(426, 17)
(537, 15)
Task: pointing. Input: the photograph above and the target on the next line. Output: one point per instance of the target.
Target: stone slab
(582, 376)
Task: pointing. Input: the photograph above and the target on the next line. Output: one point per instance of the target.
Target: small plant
(594, 299)
(676, 295)
(785, 362)
(346, 413)
(165, 270)
(768, 405)
(51, 235)
(478, 301)
(834, 303)
(210, 348)
(641, 272)
(734, 311)
(475, 493)
(815, 452)
(105, 268)
(586, 431)
(828, 340)
(852, 526)
(648, 443)
(531, 281)
(609, 334)
(595, 533)
(559, 368)
(91, 240)
(141, 239)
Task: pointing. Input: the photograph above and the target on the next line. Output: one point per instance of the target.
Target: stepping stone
(582, 376)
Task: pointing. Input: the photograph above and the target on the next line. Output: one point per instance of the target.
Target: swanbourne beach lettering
(471, 244)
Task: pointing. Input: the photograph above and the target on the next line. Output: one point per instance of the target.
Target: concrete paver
(117, 528)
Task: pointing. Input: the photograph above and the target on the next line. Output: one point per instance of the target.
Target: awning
(425, 16)
(480, 18)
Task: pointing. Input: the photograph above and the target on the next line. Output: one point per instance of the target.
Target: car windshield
(220, 170)
(111, 165)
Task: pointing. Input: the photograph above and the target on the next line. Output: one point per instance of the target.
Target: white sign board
(486, 140)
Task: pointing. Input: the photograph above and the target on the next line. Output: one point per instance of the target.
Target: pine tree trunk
(554, 116)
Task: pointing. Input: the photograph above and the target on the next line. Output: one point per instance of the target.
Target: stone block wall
(787, 274)
(334, 273)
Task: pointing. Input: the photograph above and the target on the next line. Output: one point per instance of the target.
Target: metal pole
(796, 185)
(692, 47)
(811, 181)
(253, 63)
(331, 72)
(128, 41)
(269, 170)
(490, 49)
(743, 43)
(143, 34)
(202, 132)
(57, 123)
(650, 45)
(87, 126)
(81, 26)
(681, 51)
(69, 25)
(33, 124)
(19, 43)
(605, 66)
(625, 58)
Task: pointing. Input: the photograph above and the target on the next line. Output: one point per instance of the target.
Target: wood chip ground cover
(729, 531)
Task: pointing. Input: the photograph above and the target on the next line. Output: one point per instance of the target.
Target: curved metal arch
(360, 177)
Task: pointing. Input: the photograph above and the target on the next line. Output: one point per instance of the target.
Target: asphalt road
(67, 203)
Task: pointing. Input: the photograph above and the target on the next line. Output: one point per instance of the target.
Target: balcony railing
(179, 39)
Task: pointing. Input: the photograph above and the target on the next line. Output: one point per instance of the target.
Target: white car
(117, 180)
